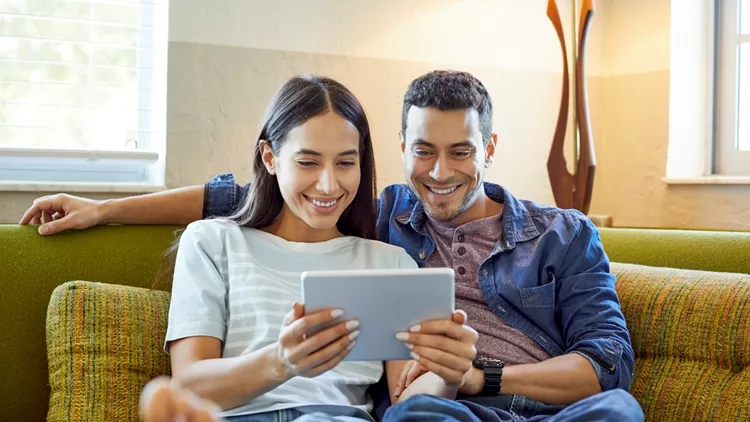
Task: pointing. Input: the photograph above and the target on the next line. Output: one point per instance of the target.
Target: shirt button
(460, 238)
(422, 255)
(461, 250)
(461, 270)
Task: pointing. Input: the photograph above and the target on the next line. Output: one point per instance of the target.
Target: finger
(439, 342)
(442, 358)
(460, 317)
(446, 327)
(312, 321)
(56, 226)
(36, 220)
(414, 373)
(449, 375)
(331, 363)
(157, 401)
(33, 211)
(320, 357)
(46, 217)
(57, 215)
(401, 384)
(324, 338)
(299, 310)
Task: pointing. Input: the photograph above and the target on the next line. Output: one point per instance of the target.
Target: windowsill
(73, 187)
(708, 180)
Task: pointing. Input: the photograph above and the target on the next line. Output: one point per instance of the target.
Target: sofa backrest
(32, 266)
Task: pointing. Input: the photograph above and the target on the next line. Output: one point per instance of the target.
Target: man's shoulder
(564, 222)
(397, 196)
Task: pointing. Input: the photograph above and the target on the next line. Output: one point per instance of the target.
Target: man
(534, 280)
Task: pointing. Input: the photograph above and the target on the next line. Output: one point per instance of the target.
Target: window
(732, 126)
(82, 92)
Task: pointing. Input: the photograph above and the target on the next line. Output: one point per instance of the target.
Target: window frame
(727, 158)
(141, 169)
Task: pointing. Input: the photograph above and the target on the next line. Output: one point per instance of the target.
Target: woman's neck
(291, 228)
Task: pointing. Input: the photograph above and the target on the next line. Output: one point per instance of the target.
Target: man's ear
(266, 154)
(489, 150)
(403, 145)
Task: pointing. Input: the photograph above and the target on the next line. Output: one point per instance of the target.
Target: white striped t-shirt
(237, 284)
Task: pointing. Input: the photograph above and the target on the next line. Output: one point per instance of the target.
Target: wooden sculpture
(573, 190)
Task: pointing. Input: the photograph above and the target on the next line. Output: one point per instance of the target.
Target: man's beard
(466, 201)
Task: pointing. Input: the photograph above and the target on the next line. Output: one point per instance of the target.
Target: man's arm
(180, 206)
(599, 355)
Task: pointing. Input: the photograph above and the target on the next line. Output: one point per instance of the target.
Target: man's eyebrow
(423, 143)
(305, 151)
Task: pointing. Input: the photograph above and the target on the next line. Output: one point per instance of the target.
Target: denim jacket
(548, 275)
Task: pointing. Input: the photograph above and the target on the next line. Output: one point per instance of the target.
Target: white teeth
(443, 191)
(323, 204)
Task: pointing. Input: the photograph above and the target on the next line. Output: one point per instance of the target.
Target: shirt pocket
(539, 297)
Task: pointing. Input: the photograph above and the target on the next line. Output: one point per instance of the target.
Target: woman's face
(318, 169)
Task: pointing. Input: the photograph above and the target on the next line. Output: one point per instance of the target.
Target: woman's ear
(266, 154)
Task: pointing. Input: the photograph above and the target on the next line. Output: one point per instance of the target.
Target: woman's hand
(445, 347)
(301, 351)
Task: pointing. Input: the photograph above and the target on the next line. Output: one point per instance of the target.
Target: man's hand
(445, 347)
(61, 212)
(473, 382)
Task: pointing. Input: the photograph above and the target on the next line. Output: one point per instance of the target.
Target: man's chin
(442, 212)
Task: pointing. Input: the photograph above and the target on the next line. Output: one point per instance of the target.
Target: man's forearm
(179, 206)
(429, 384)
(562, 380)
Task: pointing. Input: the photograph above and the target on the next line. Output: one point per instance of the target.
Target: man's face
(445, 159)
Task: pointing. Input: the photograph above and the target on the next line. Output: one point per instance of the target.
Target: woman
(233, 340)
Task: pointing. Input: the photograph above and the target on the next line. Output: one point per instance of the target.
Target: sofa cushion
(104, 343)
(691, 335)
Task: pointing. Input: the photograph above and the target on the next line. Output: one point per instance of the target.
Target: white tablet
(384, 301)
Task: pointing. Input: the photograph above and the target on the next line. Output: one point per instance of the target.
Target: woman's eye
(348, 163)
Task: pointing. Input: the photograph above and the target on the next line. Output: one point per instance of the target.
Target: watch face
(482, 363)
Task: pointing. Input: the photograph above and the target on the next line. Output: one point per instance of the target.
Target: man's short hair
(450, 90)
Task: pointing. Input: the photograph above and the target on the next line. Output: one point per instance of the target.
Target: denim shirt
(548, 275)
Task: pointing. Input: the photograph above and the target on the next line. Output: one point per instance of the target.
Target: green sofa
(690, 327)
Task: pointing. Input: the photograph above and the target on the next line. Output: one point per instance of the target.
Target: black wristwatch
(493, 374)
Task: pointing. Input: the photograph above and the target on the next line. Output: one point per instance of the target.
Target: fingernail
(351, 325)
(409, 346)
(397, 392)
(415, 328)
(402, 336)
(354, 335)
(415, 356)
(336, 313)
(349, 347)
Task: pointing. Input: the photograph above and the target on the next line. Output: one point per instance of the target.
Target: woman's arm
(229, 382)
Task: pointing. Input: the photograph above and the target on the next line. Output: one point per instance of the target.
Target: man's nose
(441, 170)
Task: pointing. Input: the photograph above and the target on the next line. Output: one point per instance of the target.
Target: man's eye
(421, 152)
(307, 163)
(463, 153)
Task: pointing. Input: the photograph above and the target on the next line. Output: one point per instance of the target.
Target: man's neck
(483, 207)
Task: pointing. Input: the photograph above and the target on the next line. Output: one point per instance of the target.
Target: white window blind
(733, 88)
(82, 90)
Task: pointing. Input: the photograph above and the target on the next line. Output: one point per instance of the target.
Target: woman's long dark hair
(298, 100)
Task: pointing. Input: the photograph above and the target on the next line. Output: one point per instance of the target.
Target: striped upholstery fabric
(691, 335)
(104, 343)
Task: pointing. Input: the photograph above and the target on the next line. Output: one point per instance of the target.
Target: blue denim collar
(518, 226)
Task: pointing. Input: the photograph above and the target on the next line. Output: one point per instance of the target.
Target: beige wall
(226, 60)
(630, 113)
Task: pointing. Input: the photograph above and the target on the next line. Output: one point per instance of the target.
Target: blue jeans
(613, 405)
